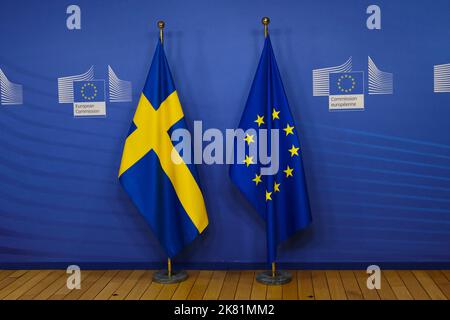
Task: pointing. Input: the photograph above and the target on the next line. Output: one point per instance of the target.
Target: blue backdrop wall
(378, 178)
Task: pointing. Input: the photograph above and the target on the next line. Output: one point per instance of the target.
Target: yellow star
(248, 160)
(289, 129)
(259, 120)
(288, 172)
(257, 179)
(268, 195)
(293, 151)
(276, 187)
(249, 138)
(275, 114)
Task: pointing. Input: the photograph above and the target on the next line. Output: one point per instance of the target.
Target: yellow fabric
(151, 133)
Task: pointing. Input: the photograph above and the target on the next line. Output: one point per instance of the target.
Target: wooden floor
(306, 285)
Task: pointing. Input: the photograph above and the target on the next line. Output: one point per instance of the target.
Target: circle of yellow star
(91, 97)
(288, 129)
(288, 171)
(275, 114)
(268, 195)
(248, 160)
(249, 138)
(340, 85)
(276, 187)
(257, 179)
(259, 120)
(294, 151)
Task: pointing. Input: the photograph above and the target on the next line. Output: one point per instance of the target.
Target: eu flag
(346, 83)
(281, 197)
(161, 185)
(89, 91)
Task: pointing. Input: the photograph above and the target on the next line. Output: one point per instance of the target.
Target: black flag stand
(272, 277)
(169, 276)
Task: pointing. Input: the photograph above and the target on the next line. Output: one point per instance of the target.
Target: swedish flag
(162, 186)
(280, 198)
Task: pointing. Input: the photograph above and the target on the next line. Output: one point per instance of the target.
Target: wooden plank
(185, 287)
(42, 285)
(6, 277)
(244, 288)
(86, 283)
(350, 285)
(305, 285)
(11, 278)
(58, 290)
(28, 285)
(18, 282)
(337, 291)
(18, 273)
(215, 285)
(386, 292)
(446, 274)
(200, 285)
(125, 288)
(441, 281)
(152, 291)
(113, 285)
(428, 284)
(5, 273)
(320, 285)
(50, 290)
(141, 286)
(259, 290)
(229, 286)
(167, 291)
(290, 290)
(274, 292)
(368, 294)
(99, 285)
(414, 287)
(397, 285)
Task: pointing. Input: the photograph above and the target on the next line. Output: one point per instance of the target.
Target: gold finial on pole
(169, 267)
(265, 21)
(274, 270)
(161, 25)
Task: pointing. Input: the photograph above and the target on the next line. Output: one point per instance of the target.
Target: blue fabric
(156, 93)
(153, 194)
(132, 128)
(289, 210)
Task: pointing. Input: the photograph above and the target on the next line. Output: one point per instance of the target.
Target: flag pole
(272, 277)
(161, 25)
(169, 275)
(169, 267)
(265, 21)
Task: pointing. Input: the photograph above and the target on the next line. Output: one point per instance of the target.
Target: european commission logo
(10, 93)
(345, 87)
(89, 98)
(70, 91)
(346, 90)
